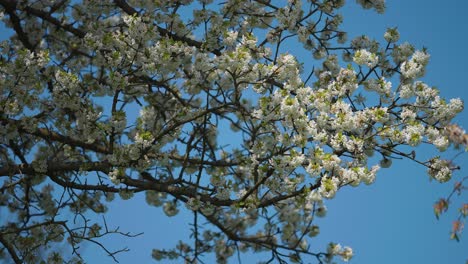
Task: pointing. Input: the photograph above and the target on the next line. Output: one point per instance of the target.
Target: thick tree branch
(56, 167)
(47, 134)
(10, 250)
(10, 8)
(49, 18)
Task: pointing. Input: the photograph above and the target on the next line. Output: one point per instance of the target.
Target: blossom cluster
(207, 112)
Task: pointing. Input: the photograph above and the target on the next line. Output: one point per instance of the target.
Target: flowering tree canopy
(202, 106)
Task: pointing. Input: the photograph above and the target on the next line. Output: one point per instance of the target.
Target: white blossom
(364, 57)
(392, 35)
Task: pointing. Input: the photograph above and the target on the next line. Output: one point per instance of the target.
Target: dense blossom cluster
(109, 97)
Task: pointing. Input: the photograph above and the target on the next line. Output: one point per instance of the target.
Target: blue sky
(391, 221)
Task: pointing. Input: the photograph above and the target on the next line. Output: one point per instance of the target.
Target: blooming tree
(201, 106)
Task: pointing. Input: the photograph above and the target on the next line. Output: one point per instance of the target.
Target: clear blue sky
(391, 221)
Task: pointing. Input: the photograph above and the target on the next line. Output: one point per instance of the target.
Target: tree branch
(51, 135)
(164, 32)
(10, 8)
(10, 250)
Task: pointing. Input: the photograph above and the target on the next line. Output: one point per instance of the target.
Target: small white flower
(364, 57)
(441, 143)
(230, 38)
(440, 170)
(125, 194)
(115, 176)
(170, 208)
(392, 35)
(415, 67)
(407, 114)
(334, 249)
(328, 187)
(347, 254)
(194, 204)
